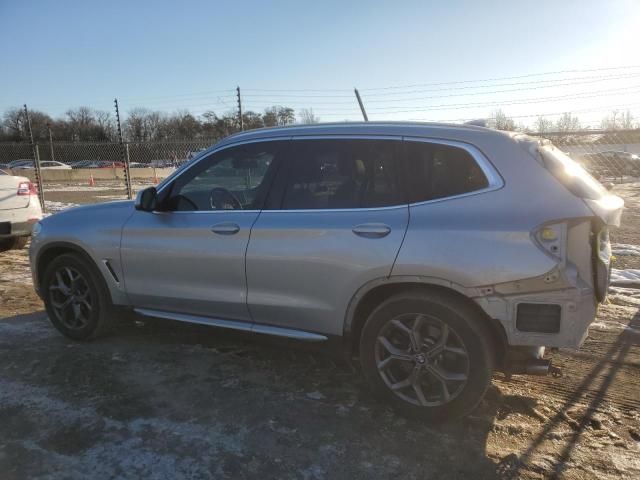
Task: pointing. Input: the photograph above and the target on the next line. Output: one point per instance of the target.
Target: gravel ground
(160, 400)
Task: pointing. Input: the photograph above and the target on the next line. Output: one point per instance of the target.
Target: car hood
(96, 213)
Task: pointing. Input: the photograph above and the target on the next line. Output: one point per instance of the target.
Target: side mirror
(608, 185)
(146, 199)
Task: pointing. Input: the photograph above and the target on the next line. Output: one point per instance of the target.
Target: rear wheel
(76, 298)
(426, 353)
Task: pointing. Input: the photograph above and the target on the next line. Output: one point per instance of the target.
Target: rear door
(335, 220)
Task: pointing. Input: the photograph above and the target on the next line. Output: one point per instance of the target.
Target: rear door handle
(372, 230)
(226, 228)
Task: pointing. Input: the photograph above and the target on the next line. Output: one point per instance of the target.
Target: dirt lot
(162, 400)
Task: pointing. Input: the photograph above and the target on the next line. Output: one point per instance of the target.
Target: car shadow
(614, 359)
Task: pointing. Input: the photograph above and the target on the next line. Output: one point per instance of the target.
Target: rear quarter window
(437, 171)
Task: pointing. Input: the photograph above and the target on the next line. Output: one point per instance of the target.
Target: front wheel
(76, 298)
(427, 354)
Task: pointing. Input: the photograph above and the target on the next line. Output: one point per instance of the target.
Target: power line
(573, 112)
(565, 82)
(515, 77)
(413, 99)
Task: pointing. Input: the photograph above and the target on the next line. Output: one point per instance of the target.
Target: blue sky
(191, 54)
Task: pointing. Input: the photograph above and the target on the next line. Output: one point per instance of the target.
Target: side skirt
(234, 325)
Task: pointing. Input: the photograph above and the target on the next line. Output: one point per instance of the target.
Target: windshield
(571, 173)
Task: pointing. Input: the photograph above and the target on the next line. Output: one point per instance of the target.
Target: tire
(89, 312)
(408, 370)
(19, 243)
(5, 244)
(13, 243)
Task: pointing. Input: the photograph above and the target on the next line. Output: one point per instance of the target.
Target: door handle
(226, 228)
(372, 230)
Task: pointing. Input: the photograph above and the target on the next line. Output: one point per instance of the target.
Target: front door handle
(226, 228)
(372, 230)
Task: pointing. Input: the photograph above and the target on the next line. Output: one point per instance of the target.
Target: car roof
(417, 129)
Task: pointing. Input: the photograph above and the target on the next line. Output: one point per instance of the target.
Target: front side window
(338, 174)
(235, 178)
(436, 171)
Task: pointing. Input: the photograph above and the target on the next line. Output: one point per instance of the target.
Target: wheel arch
(372, 294)
(53, 250)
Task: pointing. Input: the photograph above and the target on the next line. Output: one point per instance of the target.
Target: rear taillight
(27, 188)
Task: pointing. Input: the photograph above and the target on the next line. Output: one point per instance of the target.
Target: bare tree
(543, 125)
(278, 116)
(106, 123)
(610, 122)
(568, 123)
(500, 121)
(306, 116)
(626, 121)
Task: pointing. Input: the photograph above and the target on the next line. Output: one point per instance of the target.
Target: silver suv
(435, 254)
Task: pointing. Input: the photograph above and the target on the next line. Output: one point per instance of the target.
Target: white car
(44, 165)
(19, 210)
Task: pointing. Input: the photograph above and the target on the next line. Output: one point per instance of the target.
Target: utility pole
(364, 113)
(240, 110)
(124, 152)
(36, 159)
(50, 141)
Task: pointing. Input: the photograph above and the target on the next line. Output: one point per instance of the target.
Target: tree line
(84, 124)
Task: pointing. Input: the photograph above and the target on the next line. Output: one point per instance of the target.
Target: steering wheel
(222, 199)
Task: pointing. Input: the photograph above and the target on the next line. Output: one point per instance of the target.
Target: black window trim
(166, 189)
(282, 179)
(494, 179)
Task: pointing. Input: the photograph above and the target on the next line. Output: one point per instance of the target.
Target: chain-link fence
(611, 156)
(90, 168)
(82, 172)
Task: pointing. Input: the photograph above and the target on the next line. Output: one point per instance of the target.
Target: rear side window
(439, 171)
(350, 173)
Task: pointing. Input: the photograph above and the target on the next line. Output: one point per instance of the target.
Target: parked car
(97, 164)
(19, 210)
(44, 165)
(435, 254)
(86, 164)
(611, 163)
(16, 163)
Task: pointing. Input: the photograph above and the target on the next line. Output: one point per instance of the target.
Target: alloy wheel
(422, 359)
(70, 298)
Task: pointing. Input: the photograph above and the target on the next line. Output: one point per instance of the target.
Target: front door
(189, 256)
(335, 220)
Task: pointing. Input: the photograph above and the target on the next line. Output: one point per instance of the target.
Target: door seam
(404, 235)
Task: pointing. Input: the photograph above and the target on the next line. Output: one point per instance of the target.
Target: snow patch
(627, 277)
(55, 207)
(625, 249)
(612, 325)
